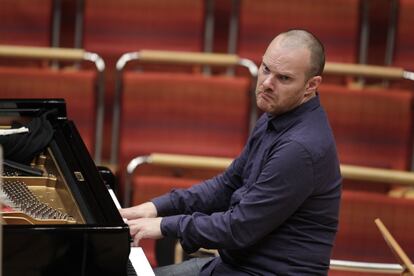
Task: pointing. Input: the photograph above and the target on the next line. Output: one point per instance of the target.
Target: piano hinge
(79, 176)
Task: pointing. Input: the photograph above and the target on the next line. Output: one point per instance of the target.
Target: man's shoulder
(316, 138)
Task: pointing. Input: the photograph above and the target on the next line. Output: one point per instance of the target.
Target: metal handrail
(362, 70)
(368, 267)
(175, 57)
(68, 54)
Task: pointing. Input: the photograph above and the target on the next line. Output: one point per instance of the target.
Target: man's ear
(312, 85)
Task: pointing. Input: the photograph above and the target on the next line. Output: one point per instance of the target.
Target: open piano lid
(62, 222)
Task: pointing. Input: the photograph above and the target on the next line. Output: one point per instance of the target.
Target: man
(274, 210)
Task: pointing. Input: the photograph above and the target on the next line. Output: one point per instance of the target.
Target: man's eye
(265, 69)
(284, 78)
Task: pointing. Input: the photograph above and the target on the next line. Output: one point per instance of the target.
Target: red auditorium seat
(372, 127)
(26, 22)
(183, 113)
(76, 87)
(335, 22)
(112, 28)
(359, 239)
(116, 27)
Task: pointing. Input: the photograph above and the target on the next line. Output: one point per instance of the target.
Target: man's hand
(143, 222)
(144, 228)
(144, 210)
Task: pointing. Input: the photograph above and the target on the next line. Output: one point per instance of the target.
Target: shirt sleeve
(206, 197)
(285, 181)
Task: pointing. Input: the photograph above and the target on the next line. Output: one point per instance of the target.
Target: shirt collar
(282, 121)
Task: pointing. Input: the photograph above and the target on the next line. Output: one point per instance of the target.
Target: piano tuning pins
(24, 200)
(10, 172)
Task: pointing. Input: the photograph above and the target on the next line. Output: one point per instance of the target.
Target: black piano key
(130, 269)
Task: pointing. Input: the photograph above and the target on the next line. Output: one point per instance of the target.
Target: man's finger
(127, 213)
(134, 227)
(137, 238)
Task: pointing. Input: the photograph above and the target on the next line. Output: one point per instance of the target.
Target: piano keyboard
(138, 264)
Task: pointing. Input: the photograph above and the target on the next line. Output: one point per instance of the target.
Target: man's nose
(268, 82)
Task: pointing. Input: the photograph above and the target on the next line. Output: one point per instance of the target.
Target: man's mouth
(264, 95)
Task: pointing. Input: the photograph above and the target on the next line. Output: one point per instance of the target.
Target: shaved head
(295, 39)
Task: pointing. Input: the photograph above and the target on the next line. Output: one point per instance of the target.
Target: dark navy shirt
(274, 211)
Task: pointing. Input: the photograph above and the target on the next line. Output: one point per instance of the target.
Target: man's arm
(213, 194)
(208, 196)
(285, 181)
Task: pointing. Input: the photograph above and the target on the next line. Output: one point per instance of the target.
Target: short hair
(304, 38)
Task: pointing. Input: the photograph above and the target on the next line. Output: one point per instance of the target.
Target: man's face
(282, 81)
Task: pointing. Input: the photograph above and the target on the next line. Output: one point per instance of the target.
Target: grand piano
(59, 216)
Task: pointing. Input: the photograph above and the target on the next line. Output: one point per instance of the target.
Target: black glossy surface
(99, 247)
